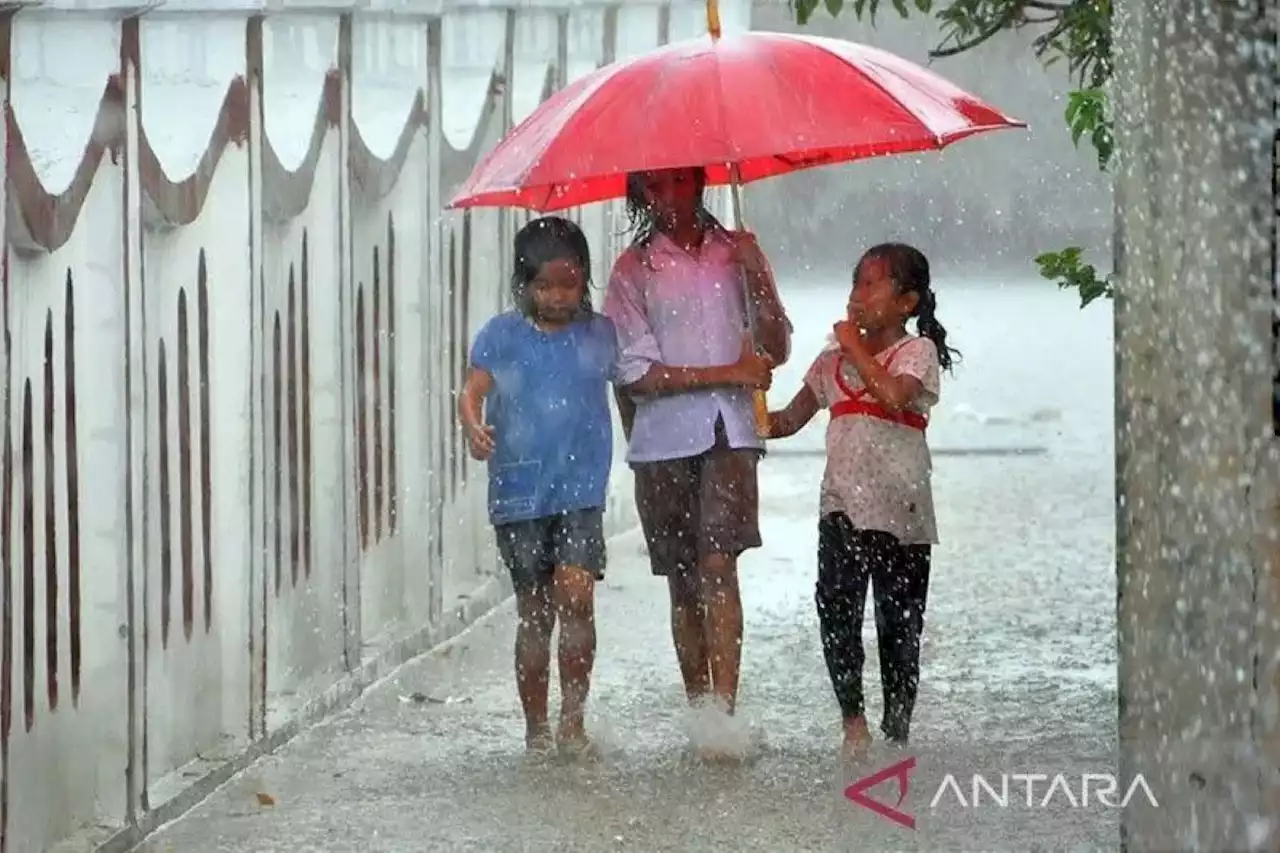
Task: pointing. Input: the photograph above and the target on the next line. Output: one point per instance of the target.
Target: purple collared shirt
(682, 310)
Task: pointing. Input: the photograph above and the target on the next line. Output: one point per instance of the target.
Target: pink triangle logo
(858, 792)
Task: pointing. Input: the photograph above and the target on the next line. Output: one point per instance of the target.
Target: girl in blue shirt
(536, 407)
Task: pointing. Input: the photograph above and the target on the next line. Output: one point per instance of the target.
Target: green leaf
(925, 6)
(804, 10)
(1066, 268)
(834, 6)
(1072, 110)
(860, 6)
(1086, 114)
(901, 6)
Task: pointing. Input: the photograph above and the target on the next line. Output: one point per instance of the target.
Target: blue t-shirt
(549, 409)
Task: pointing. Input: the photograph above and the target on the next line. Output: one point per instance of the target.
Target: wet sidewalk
(1019, 661)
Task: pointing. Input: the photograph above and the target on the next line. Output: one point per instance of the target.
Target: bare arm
(477, 386)
(640, 369)
(893, 391)
(772, 325)
(749, 371)
(662, 379)
(773, 328)
(626, 411)
(796, 416)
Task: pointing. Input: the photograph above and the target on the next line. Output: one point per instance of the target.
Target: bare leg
(533, 662)
(722, 604)
(857, 737)
(687, 630)
(574, 591)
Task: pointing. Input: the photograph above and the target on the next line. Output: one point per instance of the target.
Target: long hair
(547, 239)
(909, 270)
(643, 223)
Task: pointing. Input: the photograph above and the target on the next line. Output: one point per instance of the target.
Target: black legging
(848, 559)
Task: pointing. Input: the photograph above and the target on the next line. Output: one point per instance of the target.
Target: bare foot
(575, 745)
(538, 741)
(716, 735)
(715, 755)
(857, 738)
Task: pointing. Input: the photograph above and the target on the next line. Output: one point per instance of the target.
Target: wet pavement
(1019, 656)
(1018, 676)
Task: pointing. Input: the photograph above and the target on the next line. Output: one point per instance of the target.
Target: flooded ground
(1018, 676)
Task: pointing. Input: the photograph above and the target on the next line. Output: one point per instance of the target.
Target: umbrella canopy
(744, 106)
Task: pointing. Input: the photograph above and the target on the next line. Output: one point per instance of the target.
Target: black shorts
(533, 549)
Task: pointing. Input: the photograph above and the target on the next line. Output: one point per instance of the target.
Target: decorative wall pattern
(235, 321)
(39, 446)
(186, 468)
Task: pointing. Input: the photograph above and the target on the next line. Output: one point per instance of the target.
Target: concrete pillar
(1198, 471)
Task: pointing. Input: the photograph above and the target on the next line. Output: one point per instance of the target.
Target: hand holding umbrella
(755, 275)
(753, 369)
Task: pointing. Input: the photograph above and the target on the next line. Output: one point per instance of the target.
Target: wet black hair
(641, 221)
(543, 240)
(909, 271)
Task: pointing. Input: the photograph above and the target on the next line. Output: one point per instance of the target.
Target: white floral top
(879, 471)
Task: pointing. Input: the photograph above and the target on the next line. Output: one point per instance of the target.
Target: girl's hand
(802, 409)
(482, 442)
(849, 336)
(471, 412)
(747, 253)
(751, 370)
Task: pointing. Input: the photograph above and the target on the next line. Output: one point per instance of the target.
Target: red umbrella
(744, 106)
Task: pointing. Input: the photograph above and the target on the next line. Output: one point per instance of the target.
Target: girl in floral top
(876, 509)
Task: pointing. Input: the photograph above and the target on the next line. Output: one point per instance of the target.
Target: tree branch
(1045, 41)
(960, 47)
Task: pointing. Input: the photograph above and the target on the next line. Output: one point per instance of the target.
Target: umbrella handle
(760, 405)
(759, 400)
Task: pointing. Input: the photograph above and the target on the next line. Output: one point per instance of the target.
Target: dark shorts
(698, 506)
(532, 550)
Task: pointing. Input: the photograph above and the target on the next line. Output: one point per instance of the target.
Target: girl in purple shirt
(685, 375)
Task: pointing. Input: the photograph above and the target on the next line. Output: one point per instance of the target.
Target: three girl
(536, 406)
(876, 521)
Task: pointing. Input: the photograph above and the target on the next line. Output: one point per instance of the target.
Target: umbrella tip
(713, 19)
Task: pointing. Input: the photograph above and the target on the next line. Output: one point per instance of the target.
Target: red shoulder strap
(860, 402)
(863, 392)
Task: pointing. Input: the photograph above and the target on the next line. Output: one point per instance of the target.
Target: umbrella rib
(724, 111)
(664, 70)
(871, 80)
(603, 97)
(820, 45)
(567, 116)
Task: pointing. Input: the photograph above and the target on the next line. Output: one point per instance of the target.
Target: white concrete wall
(235, 317)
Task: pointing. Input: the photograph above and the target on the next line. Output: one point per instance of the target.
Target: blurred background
(983, 208)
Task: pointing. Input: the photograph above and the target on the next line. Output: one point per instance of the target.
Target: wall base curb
(487, 598)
